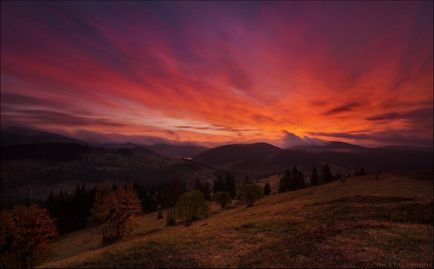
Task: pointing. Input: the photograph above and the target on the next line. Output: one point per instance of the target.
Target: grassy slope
(359, 222)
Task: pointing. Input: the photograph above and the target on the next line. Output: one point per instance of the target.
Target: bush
(249, 193)
(191, 206)
(25, 233)
(223, 198)
(116, 212)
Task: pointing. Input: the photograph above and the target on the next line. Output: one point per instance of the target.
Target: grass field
(359, 222)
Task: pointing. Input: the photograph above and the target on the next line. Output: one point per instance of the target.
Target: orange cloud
(236, 72)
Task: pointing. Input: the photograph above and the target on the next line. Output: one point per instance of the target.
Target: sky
(286, 72)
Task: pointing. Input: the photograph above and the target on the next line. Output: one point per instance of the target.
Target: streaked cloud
(215, 73)
(342, 108)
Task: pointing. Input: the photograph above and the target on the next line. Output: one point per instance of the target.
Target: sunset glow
(220, 72)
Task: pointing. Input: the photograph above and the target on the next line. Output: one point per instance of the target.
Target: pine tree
(218, 184)
(326, 174)
(170, 218)
(294, 170)
(297, 180)
(287, 173)
(284, 184)
(230, 185)
(246, 179)
(159, 210)
(205, 191)
(197, 184)
(114, 187)
(314, 177)
(267, 189)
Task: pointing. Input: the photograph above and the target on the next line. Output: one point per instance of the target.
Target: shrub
(249, 193)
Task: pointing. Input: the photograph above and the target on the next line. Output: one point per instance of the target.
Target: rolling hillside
(363, 222)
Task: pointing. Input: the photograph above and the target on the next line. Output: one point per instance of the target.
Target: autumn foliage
(24, 236)
(115, 212)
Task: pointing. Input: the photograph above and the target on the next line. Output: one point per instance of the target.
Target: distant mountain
(404, 147)
(118, 146)
(263, 159)
(19, 136)
(331, 146)
(232, 154)
(170, 150)
(177, 151)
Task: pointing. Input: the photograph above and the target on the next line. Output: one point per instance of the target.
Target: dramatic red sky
(279, 72)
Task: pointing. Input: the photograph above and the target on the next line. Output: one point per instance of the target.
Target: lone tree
(25, 233)
(314, 177)
(116, 212)
(249, 193)
(223, 198)
(267, 189)
(191, 206)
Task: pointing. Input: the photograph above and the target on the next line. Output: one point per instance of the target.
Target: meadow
(361, 221)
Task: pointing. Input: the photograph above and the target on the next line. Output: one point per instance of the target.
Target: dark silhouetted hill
(266, 159)
(19, 136)
(177, 151)
(229, 155)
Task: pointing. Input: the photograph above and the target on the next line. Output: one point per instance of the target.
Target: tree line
(294, 179)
